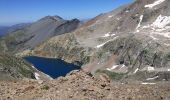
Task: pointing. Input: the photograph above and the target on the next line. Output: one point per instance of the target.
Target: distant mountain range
(7, 29)
(3, 30)
(24, 36)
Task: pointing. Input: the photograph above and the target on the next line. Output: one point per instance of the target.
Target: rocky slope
(79, 85)
(132, 40)
(14, 68)
(37, 33)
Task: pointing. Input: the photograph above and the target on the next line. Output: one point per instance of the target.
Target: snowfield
(154, 4)
(148, 83)
(150, 68)
(113, 67)
(100, 45)
(161, 21)
(136, 71)
(152, 78)
(37, 76)
(139, 24)
(107, 34)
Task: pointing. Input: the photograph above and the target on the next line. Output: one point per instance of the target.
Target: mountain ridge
(37, 32)
(122, 37)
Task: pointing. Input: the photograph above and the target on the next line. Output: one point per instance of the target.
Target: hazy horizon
(20, 11)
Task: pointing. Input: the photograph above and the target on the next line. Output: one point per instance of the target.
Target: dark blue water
(50, 66)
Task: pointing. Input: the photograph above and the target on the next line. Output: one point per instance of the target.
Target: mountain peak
(56, 18)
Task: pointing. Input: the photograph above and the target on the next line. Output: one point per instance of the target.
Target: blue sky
(17, 11)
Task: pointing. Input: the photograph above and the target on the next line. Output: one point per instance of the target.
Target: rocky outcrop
(138, 54)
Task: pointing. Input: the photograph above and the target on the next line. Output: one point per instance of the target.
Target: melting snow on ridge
(166, 44)
(161, 21)
(153, 37)
(136, 70)
(123, 66)
(110, 16)
(127, 11)
(98, 46)
(148, 83)
(152, 78)
(113, 67)
(154, 4)
(108, 34)
(150, 68)
(159, 27)
(141, 18)
(37, 76)
(167, 34)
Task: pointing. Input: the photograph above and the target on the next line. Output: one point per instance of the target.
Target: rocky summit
(124, 55)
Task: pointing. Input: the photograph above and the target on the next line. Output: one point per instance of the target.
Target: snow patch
(33, 67)
(148, 83)
(37, 76)
(127, 11)
(165, 34)
(166, 44)
(118, 18)
(153, 37)
(148, 26)
(107, 34)
(161, 21)
(137, 31)
(112, 34)
(150, 68)
(135, 70)
(110, 16)
(154, 4)
(139, 24)
(152, 78)
(123, 66)
(100, 45)
(113, 67)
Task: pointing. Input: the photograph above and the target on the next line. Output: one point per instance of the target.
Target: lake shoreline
(51, 67)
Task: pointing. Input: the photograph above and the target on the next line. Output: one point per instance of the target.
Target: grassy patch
(112, 75)
(129, 98)
(45, 87)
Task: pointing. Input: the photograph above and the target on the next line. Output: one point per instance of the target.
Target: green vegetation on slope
(112, 75)
(14, 68)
